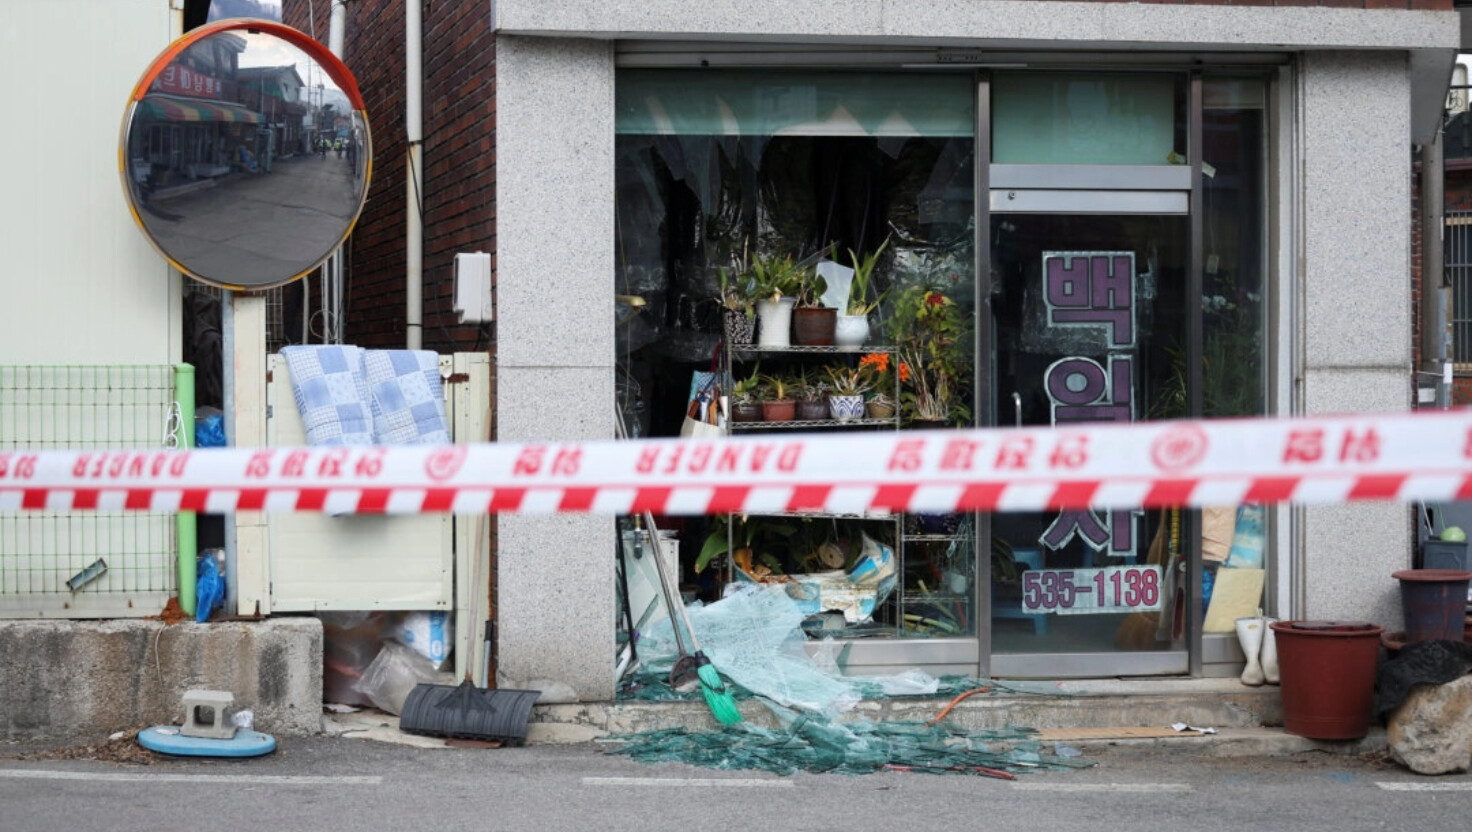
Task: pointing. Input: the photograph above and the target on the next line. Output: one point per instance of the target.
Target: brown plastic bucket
(1327, 671)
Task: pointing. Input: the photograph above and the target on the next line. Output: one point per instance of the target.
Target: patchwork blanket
(350, 396)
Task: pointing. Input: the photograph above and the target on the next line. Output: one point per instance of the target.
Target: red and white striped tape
(1407, 456)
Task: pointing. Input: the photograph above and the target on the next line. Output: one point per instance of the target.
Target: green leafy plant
(934, 360)
(809, 387)
(860, 289)
(746, 390)
(777, 388)
(775, 277)
(810, 287)
(851, 381)
(738, 292)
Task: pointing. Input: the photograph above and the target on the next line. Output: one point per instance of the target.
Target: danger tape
(1401, 457)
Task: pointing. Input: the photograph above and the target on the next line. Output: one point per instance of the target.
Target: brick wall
(459, 125)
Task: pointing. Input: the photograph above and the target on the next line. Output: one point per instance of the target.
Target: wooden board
(1129, 732)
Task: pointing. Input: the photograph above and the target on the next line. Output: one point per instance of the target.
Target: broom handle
(670, 604)
(671, 596)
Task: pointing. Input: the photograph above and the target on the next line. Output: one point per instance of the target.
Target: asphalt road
(331, 784)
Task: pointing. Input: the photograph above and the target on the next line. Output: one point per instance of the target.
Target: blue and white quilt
(350, 396)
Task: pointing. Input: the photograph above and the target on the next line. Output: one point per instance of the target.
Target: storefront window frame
(1147, 178)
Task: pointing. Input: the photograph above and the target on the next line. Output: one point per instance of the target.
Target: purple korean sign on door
(1093, 291)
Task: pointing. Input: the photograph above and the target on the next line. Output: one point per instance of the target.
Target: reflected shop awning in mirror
(220, 165)
(174, 109)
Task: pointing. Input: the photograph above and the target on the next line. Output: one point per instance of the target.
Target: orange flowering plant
(930, 331)
(879, 366)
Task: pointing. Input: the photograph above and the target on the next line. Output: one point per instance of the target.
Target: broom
(717, 697)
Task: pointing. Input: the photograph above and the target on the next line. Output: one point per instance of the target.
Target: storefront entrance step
(1112, 703)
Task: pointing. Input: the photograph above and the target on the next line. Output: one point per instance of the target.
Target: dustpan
(468, 712)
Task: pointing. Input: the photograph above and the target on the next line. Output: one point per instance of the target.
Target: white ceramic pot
(852, 330)
(775, 317)
(846, 408)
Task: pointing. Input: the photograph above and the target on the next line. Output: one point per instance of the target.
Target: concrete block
(206, 714)
(67, 679)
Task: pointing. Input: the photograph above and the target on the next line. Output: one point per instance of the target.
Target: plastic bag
(429, 634)
(209, 587)
(391, 676)
(209, 428)
(350, 642)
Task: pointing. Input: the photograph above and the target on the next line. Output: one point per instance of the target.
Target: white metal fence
(82, 407)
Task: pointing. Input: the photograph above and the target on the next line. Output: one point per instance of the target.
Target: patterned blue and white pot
(846, 408)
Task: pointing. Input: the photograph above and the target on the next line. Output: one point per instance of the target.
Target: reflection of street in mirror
(243, 165)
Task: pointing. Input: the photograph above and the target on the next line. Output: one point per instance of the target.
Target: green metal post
(185, 522)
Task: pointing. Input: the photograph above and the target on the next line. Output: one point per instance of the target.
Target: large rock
(1431, 732)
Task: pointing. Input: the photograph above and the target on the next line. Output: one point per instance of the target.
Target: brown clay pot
(746, 412)
(813, 326)
(811, 410)
(779, 411)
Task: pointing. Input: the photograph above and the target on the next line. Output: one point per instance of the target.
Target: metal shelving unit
(809, 355)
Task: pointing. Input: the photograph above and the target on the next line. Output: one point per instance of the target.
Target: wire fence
(86, 564)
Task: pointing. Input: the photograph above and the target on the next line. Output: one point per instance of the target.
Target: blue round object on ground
(166, 739)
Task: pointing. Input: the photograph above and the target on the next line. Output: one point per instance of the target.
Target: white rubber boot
(1269, 652)
(1249, 634)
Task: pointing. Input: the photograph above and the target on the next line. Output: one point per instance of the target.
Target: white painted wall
(79, 284)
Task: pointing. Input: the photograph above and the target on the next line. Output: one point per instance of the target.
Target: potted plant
(812, 397)
(879, 405)
(738, 306)
(846, 402)
(745, 404)
(813, 324)
(777, 402)
(930, 331)
(776, 281)
(852, 327)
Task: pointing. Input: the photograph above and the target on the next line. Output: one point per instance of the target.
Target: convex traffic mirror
(245, 154)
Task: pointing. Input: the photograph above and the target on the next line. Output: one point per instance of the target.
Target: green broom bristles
(722, 706)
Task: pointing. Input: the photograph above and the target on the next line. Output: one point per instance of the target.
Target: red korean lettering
(25, 467)
(1362, 448)
(673, 461)
(80, 468)
(137, 466)
(529, 461)
(959, 455)
(331, 465)
(909, 455)
(789, 457)
(98, 465)
(178, 463)
(647, 458)
(369, 464)
(259, 465)
(1070, 452)
(1306, 445)
(159, 461)
(1014, 453)
(4, 465)
(295, 464)
(119, 462)
(567, 461)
